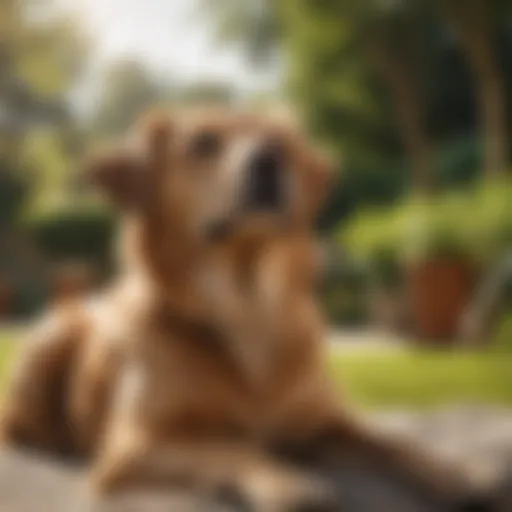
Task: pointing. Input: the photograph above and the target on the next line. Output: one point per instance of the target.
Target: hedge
(68, 231)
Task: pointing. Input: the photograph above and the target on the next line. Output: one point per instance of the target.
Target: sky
(171, 36)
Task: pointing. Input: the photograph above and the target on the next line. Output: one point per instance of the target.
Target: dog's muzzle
(263, 193)
(264, 190)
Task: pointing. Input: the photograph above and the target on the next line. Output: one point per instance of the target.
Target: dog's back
(34, 410)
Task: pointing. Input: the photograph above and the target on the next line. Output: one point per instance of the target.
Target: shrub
(81, 231)
(343, 291)
(472, 224)
(503, 339)
(13, 192)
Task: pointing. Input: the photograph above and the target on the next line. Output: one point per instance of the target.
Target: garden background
(411, 98)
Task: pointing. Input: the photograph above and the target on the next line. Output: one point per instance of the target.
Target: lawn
(415, 378)
(7, 352)
(424, 378)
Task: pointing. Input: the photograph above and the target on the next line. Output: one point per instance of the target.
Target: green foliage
(503, 338)
(344, 293)
(475, 224)
(72, 231)
(43, 54)
(345, 307)
(13, 192)
(45, 155)
(52, 54)
(8, 346)
(253, 23)
(332, 74)
(459, 162)
(30, 295)
(385, 270)
(129, 89)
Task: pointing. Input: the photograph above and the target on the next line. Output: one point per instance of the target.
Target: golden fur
(202, 357)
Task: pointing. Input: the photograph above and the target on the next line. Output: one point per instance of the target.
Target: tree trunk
(405, 92)
(472, 22)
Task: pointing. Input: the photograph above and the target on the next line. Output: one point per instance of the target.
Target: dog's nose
(265, 178)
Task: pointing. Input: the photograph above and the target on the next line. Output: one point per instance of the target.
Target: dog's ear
(119, 173)
(159, 130)
(130, 171)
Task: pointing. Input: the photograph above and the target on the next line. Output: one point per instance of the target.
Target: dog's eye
(205, 145)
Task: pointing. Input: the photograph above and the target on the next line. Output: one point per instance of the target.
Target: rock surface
(481, 438)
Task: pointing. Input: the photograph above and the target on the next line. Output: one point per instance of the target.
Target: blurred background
(411, 97)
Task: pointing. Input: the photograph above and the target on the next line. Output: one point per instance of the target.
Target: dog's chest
(246, 381)
(189, 388)
(247, 302)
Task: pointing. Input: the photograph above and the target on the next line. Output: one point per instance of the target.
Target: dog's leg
(347, 439)
(216, 469)
(33, 408)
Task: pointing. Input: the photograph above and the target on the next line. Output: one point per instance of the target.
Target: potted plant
(440, 266)
(374, 237)
(437, 248)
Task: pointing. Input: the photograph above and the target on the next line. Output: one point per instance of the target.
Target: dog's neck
(238, 291)
(177, 266)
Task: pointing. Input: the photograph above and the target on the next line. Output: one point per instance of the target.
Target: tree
(41, 59)
(474, 23)
(382, 37)
(129, 89)
(357, 41)
(42, 54)
(255, 24)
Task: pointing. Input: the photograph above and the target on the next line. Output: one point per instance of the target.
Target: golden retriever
(206, 356)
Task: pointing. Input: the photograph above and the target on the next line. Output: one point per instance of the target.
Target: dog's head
(213, 176)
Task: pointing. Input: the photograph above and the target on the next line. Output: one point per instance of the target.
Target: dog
(203, 363)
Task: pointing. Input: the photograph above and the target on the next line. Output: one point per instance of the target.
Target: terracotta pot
(439, 290)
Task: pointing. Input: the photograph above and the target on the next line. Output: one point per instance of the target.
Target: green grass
(413, 378)
(7, 352)
(425, 378)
